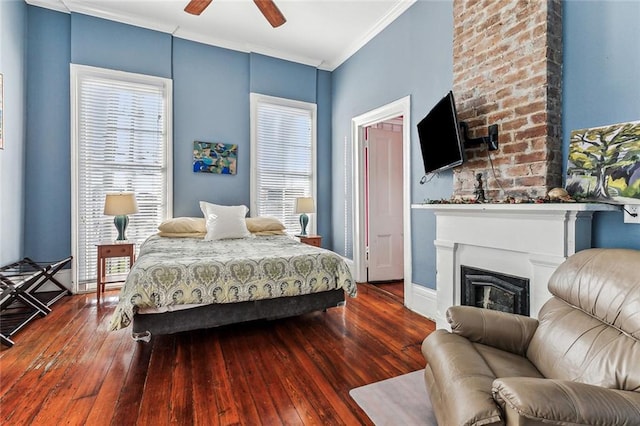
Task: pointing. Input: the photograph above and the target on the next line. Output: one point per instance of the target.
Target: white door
(385, 205)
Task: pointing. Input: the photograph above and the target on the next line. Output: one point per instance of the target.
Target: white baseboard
(424, 301)
(64, 276)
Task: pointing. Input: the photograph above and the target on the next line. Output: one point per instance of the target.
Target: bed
(181, 284)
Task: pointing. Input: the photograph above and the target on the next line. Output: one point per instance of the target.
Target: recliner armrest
(501, 330)
(547, 401)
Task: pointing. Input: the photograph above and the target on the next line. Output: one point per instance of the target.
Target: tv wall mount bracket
(491, 139)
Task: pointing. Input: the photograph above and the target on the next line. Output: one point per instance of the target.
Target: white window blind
(283, 158)
(121, 129)
(348, 199)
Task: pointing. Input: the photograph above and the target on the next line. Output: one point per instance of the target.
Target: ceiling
(320, 33)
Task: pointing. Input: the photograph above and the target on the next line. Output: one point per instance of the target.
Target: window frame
(77, 73)
(255, 100)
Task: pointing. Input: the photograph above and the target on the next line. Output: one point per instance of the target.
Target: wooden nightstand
(312, 240)
(107, 250)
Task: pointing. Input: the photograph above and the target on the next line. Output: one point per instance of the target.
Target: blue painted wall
(211, 104)
(107, 44)
(601, 86)
(47, 234)
(323, 100)
(275, 77)
(211, 89)
(211, 96)
(413, 56)
(13, 30)
(56, 40)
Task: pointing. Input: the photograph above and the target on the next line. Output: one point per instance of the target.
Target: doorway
(399, 108)
(383, 201)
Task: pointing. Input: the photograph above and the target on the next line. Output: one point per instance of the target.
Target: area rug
(401, 400)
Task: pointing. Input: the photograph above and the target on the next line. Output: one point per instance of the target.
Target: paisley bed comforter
(178, 271)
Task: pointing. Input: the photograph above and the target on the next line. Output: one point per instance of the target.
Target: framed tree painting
(213, 157)
(604, 163)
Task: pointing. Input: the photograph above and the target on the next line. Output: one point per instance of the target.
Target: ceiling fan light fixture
(267, 7)
(196, 7)
(271, 12)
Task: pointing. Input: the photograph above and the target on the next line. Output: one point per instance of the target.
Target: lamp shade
(305, 205)
(120, 203)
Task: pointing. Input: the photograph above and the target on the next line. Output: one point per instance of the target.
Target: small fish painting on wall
(604, 163)
(213, 157)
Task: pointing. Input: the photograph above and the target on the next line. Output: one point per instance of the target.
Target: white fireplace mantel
(525, 240)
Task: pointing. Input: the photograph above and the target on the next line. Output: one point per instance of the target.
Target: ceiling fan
(267, 7)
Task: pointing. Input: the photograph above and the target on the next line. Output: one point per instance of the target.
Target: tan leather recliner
(578, 363)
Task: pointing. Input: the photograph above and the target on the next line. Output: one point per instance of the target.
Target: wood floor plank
(42, 333)
(270, 366)
(181, 397)
(205, 405)
(107, 397)
(128, 404)
(212, 398)
(48, 371)
(307, 386)
(236, 360)
(68, 369)
(155, 405)
(373, 334)
(92, 365)
(318, 368)
(77, 414)
(261, 395)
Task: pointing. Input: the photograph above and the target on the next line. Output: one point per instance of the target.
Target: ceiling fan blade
(196, 7)
(271, 12)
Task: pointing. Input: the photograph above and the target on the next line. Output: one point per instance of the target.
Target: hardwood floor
(68, 369)
(394, 288)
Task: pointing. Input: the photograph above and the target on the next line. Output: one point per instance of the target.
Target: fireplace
(493, 290)
(522, 240)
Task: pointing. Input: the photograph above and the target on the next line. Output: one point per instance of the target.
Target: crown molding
(72, 6)
(84, 8)
(376, 29)
(304, 60)
(245, 47)
(56, 5)
(87, 8)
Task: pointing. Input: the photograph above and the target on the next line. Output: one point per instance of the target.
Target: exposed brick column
(507, 70)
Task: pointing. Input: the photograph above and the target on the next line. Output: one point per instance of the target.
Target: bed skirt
(207, 316)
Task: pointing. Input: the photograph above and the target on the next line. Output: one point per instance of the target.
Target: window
(348, 199)
(283, 152)
(121, 139)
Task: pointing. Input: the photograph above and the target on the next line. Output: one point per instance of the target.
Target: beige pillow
(267, 233)
(264, 223)
(182, 225)
(182, 234)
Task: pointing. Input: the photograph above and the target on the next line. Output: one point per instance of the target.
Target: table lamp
(304, 205)
(120, 204)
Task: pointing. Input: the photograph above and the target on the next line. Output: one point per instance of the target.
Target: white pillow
(225, 222)
(208, 208)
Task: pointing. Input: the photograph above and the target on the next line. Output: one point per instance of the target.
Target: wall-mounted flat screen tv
(440, 140)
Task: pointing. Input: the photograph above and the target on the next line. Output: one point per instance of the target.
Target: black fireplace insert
(494, 290)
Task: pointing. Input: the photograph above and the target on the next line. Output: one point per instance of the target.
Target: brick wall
(507, 68)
